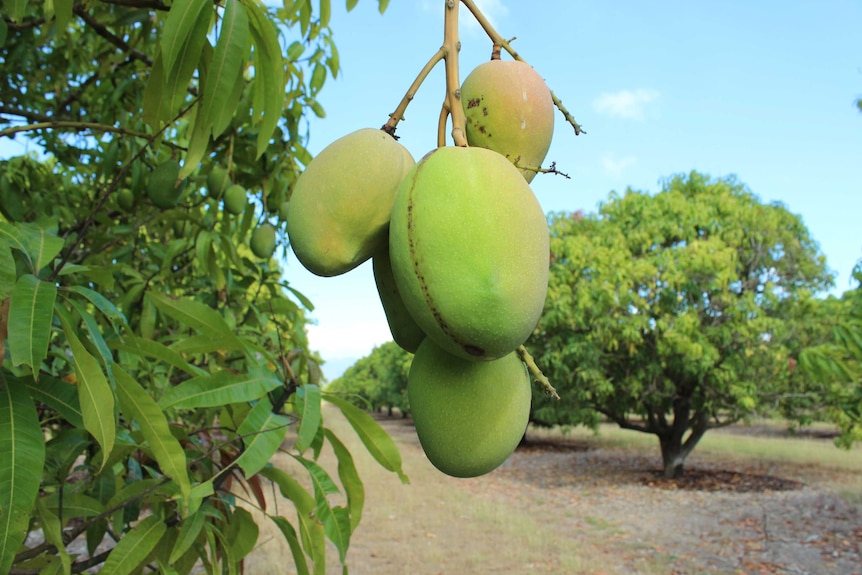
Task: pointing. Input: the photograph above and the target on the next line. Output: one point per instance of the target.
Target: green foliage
(674, 313)
(835, 365)
(150, 364)
(378, 380)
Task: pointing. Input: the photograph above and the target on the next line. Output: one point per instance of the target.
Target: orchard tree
(152, 356)
(835, 366)
(378, 380)
(674, 313)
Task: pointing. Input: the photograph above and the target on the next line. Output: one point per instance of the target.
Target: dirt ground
(575, 506)
(611, 506)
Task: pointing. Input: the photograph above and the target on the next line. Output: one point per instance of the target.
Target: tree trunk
(673, 449)
(672, 457)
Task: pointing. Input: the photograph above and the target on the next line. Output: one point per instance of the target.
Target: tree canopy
(378, 380)
(673, 313)
(152, 355)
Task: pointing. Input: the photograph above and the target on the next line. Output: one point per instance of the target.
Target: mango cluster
(459, 247)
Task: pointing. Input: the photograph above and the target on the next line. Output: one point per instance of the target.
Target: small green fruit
(126, 199)
(470, 251)
(283, 211)
(340, 205)
(263, 241)
(162, 188)
(469, 415)
(217, 181)
(509, 109)
(235, 199)
(404, 329)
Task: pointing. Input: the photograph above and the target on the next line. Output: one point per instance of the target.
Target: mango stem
(451, 47)
(398, 115)
(538, 376)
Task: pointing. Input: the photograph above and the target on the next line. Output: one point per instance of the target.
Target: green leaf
(176, 34)
(190, 528)
(336, 528)
(74, 505)
(318, 77)
(23, 449)
(349, 476)
(308, 402)
(95, 337)
(336, 524)
(63, 13)
(134, 547)
(42, 247)
(198, 316)
(94, 392)
(221, 388)
(325, 13)
(59, 396)
(382, 5)
(17, 10)
(225, 70)
(295, 50)
(263, 432)
(157, 350)
(269, 77)
(242, 533)
(137, 405)
(53, 531)
(7, 269)
(376, 440)
(104, 305)
(31, 312)
(289, 533)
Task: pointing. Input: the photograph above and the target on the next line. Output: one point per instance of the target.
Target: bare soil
(724, 516)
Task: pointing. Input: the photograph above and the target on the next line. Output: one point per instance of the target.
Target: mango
(339, 209)
(404, 329)
(126, 199)
(217, 182)
(469, 415)
(509, 110)
(262, 241)
(162, 187)
(235, 199)
(469, 247)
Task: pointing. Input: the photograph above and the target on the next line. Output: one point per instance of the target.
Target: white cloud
(625, 104)
(614, 166)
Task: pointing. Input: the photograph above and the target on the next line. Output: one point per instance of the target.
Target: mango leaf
(134, 547)
(349, 476)
(104, 305)
(74, 505)
(31, 312)
(242, 533)
(7, 270)
(376, 440)
(17, 10)
(225, 70)
(156, 98)
(137, 405)
(220, 388)
(269, 77)
(96, 337)
(94, 391)
(177, 31)
(382, 5)
(325, 13)
(336, 525)
(336, 529)
(308, 404)
(23, 449)
(157, 350)
(53, 531)
(262, 432)
(13, 236)
(59, 396)
(190, 528)
(42, 246)
(198, 316)
(289, 533)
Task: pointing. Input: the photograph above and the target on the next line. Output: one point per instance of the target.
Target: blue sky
(763, 90)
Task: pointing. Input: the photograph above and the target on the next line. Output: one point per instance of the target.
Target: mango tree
(152, 356)
(673, 313)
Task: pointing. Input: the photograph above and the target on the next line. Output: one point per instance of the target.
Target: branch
(151, 4)
(451, 47)
(112, 38)
(398, 114)
(622, 421)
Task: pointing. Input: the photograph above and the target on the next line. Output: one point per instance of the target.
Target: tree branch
(112, 38)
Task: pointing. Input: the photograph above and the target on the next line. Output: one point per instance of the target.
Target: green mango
(126, 199)
(217, 182)
(510, 110)
(262, 241)
(469, 415)
(339, 209)
(162, 188)
(470, 252)
(404, 329)
(235, 199)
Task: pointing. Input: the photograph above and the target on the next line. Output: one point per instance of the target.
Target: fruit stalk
(500, 41)
(398, 115)
(540, 377)
(451, 47)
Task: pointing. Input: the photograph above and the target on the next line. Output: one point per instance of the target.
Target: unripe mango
(470, 251)
(162, 188)
(339, 210)
(235, 199)
(262, 241)
(217, 182)
(469, 415)
(404, 329)
(509, 110)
